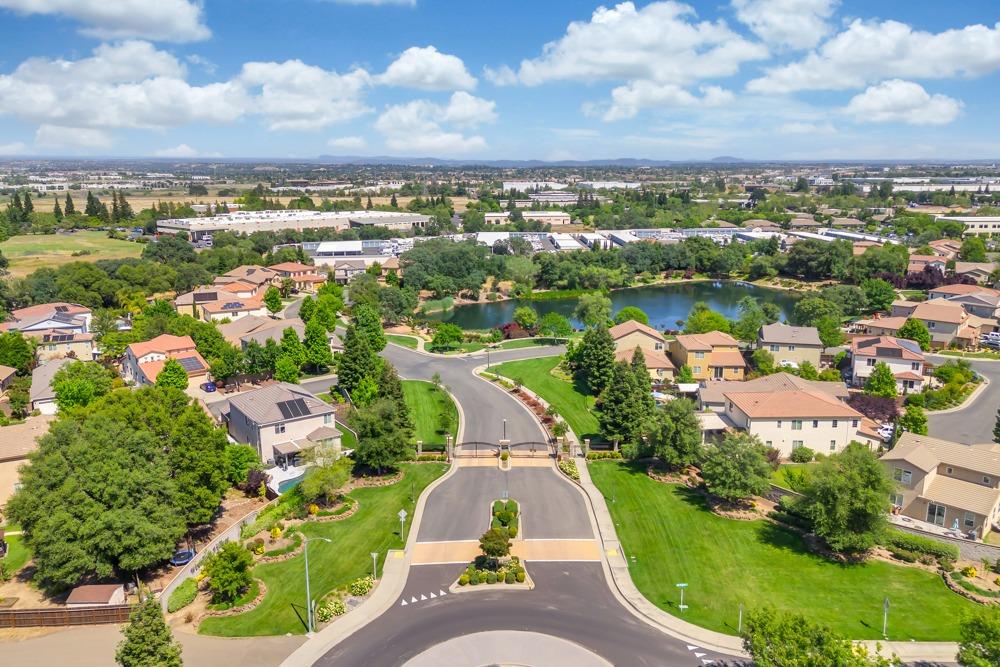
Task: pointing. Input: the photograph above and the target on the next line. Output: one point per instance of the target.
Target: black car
(182, 557)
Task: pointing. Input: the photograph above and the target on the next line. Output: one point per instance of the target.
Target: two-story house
(787, 420)
(631, 336)
(918, 263)
(303, 276)
(260, 329)
(948, 323)
(44, 317)
(281, 421)
(258, 278)
(144, 361)
(345, 269)
(710, 356)
(711, 395)
(975, 299)
(946, 484)
(903, 357)
(790, 346)
(979, 272)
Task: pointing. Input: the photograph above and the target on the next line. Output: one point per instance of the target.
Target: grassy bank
(33, 251)
(674, 538)
(426, 403)
(406, 341)
(374, 528)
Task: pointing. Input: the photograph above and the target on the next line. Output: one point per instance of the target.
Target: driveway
(973, 423)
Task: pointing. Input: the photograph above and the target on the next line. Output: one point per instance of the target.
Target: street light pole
(505, 428)
(309, 605)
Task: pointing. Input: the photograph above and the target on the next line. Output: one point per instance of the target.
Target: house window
(796, 424)
(327, 419)
(936, 514)
(970, 520)
(833, 445)
(796, 444)
(775, 348)
(915, 366)
(279, 428)
(697, 369)
(986, 480)
(896, 499)
(869, 362)
(948, 470)
(791, 348)
(854, 423)
(767, 444)
(835, 422)
(815, 423)
(699, 355)
(658, 346)
(902, 476)
(779, 423)
(930, 325)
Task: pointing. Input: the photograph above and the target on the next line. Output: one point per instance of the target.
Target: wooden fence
(29, 618)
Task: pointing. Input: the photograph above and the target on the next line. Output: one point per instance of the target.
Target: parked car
(208, 387)
(182, 557)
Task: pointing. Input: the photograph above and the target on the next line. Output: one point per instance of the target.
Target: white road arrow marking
(699, 655)
(442, 593)
(707, 662)
(691, 648)
(413, 599)
(423, 597)
(403, 604)
(432, 596)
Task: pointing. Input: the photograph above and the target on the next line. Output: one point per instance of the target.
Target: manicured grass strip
(32, 251)
(405, 341)
(347, 438)
(520, 343)
(374, 527)
(573, 406)
(18, 553)
(426, 402)
(675, 539)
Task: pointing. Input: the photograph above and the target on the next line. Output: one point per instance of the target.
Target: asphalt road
(974, 423)
(459, 508)
(570, 600)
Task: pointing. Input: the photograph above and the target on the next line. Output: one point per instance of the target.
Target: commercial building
(554, 218)
(247, 222)
(946, 484)
(985, 225)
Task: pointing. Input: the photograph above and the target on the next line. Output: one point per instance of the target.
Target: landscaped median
(674, 538)
(332, 565)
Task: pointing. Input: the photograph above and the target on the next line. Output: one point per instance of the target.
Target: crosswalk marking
(691, 648)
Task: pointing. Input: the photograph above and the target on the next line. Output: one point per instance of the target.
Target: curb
(967, 403)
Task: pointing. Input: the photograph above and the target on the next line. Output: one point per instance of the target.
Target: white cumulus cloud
(348, 143)
(158, 20)
(628, 100)
(416, 126)
(870, 51)
(180, 150)
(898, 101)
(426, 68)
(72, 138)
(794, 24)
(13, 148)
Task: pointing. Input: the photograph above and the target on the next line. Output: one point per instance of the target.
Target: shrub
(946, 564)
(520, 575)
(773, 456)
(512, 530)
(361, 586)
(495, 523)
(568, 466)
(969, 571)
(463, 580)
(510, 578)
(329, 609)
(504, 455)
(506, 517)
(916, 399)
(313, 509)
(183, 595)
(228, 571)
(275, 533)
(597, 456)
(802, 455)
(256, 547)
(498, 506)
(491, 577)
(904, 555)
(920, 544)
(511, 507)
(474, 578)
(792, 520)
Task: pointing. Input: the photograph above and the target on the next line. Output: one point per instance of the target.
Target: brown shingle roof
(92, 594)
(961, 494)
(798, 404)
(977, 459)
(653, 358)
(706, 341)
(886, 346)
(631, 326)
(164, 344)
(789, 335)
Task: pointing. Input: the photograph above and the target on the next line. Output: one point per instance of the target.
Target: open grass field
(426, 402)
(573, 406)
(332, 565)
(674, 538)
(29, 252)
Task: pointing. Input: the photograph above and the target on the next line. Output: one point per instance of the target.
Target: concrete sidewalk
(620, 581)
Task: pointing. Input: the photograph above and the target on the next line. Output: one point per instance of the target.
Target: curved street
(973, 423)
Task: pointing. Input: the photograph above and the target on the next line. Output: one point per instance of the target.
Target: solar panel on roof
(232, 305)
(293, 408)
(62, 309)
(191, 364)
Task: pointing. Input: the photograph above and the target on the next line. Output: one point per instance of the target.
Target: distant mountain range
(513, 164)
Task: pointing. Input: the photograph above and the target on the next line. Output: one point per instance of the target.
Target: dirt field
(30, 252)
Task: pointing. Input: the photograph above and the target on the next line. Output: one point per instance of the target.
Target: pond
(664, 304)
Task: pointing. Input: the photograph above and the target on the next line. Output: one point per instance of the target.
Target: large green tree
(980, 638)
(880, 293)
(675, 434)
(369, 324)
(631, 313)
(973, 250)
(148, 641)
(593, 310)
(317, 344)
(594, 358)
(357, 361)
(381, 442)
(228, 571)
(881, 382)
(272, 299)
(625, 404)
(847, 497)
(915, 330)
(525, 317)
(914, 420)
(172, 375)
(555, 325)
(16, 351)
(703, 319)
(736, 467)
(80, 382)
(775, 639)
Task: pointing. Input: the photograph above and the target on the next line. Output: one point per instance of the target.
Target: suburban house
(787, 420)
(258, 278)
(345, 269)
(790, 346)
(233, 308)
(918, 263)
(948, 323)
(303, 276)
(69, 317)
(41, 395)
(977, 271)
(260, 329)
(712, 394)
(6, 377)
(280, 421)
(390, 266)
(59, 343)
(946, 484)
(631, 335)
(144, 361)
(710, 356)
(977, 300)
(96, 595)
(947, 248)
(903, 357)
(232, 301)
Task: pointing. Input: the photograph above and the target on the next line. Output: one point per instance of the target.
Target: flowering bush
(329, 609)
(275, 533)
(313, 509)
(361, 586)
(969, 571)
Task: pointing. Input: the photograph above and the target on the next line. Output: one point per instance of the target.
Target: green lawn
(675, 539)
(572, 405)
(519, 343)
(32, 251)
(18, 553)
(426, 402)
(347, 438)
(791, 475)
(405, 341)
(331, 565)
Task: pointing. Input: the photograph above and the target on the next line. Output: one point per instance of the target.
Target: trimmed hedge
(597, 456)
(897, 539)
(183, 595)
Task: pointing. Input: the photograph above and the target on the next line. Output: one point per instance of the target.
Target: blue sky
(768, 79)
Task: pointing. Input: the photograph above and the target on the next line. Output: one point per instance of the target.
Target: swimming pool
(289, 484)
